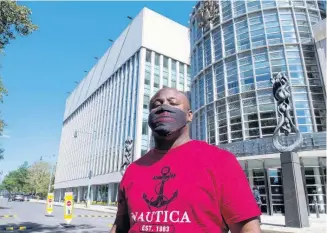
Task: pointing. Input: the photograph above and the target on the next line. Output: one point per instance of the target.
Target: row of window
(98, 145)
(225, 122)
(174, 74)
(253, 31)
(230, 9)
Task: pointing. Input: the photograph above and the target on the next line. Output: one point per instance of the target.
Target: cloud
(5, 136)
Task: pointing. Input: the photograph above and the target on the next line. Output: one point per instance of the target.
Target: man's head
(169, 114)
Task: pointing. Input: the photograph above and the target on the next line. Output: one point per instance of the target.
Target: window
(148, 56)
(157, 59)
(229, 42)
(165, 62)
(145, 127)
(216, 35)
(207, 49)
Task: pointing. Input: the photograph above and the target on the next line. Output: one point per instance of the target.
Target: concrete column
(116, 192)
(79, 194)
(109, 195)
(60, 195)
(112, 192)
(139, 111)
(296, 212)
(250, 175)
(91, 193)
(94, 192)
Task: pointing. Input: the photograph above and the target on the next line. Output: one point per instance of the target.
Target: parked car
(18, 197)
(27, 197)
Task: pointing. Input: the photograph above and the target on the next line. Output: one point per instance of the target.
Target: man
(183, 185)
(257, 198)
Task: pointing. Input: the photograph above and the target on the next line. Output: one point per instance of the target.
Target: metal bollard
(316, 206)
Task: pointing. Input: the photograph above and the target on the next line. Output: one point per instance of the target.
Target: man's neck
(164, 145)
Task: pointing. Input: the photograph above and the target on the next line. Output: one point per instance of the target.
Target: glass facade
(234, 60)
(160, 71)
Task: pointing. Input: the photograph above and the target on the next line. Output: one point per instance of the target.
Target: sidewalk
(270, 224)
(276, 223)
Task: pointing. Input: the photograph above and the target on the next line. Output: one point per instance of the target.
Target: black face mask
(166, 120)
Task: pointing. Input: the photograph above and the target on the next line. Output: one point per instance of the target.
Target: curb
(110, 210)
(8, 216)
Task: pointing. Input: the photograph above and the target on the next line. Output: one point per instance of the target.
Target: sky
(40, 69)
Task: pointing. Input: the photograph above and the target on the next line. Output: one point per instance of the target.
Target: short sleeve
(237, 202)
(122, 216)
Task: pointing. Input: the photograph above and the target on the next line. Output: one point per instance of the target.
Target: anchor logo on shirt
(161, 200)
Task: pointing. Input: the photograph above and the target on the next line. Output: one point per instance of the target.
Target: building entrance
(275, 190)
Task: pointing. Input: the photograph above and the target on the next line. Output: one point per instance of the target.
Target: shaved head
(173, 93)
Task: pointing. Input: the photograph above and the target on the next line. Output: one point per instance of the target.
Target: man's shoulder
(212, 150)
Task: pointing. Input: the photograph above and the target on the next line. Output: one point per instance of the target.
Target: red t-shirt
(190, 189)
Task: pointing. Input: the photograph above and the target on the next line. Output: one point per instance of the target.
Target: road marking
(8, 216)
(16, 228)
(93, 216)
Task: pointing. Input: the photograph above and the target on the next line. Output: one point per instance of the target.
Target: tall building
(233, 59)
(319, 32)
(111, 104)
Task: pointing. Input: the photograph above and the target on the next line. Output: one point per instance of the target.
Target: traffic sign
(68, 207)
(50, 203)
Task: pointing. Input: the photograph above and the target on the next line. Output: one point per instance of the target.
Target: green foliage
(29, 179)
(14, 19)
(16, 181)
(38, 178)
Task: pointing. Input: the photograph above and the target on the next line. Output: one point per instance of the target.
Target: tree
(16, 181)
(14, 20)
(38, 177)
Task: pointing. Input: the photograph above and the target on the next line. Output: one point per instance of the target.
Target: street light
(90, 171)
(110, 40)
(129, 17)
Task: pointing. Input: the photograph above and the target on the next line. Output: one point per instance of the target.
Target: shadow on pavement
(4, 208)
(35, 227)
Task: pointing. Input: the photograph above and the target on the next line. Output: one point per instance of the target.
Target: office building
(111, 104)
(232, 60)
(319, 32)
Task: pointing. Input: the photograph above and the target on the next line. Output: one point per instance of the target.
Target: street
(33, 216)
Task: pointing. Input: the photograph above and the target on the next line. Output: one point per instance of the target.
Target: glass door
(276, 190)
(259, 181)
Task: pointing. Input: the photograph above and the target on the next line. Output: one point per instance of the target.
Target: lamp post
(90, 171)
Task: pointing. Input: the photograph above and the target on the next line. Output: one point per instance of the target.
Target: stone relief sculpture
(282, 93)
(128, 155)
(207, 12)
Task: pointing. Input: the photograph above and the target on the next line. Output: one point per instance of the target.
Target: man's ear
(189, 116)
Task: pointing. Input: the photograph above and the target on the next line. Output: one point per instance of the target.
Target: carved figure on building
(282, 93)
(208, 11)
(128, 155)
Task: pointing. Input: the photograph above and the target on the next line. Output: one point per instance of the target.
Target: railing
(262, 146)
